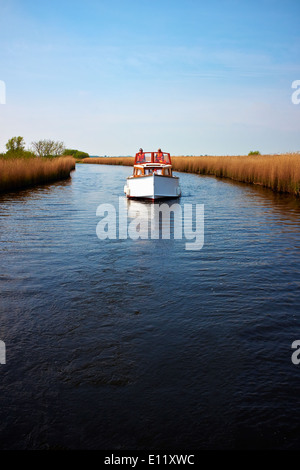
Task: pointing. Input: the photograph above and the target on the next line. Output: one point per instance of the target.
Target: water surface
(140, 344)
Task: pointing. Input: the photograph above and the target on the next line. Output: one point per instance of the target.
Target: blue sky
(192, 77)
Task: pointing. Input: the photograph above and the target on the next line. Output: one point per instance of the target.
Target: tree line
(45, 148)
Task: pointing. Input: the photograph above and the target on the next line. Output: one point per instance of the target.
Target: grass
(18, 173)
(281, 173)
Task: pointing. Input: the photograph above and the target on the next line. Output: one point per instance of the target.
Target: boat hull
(152, 187)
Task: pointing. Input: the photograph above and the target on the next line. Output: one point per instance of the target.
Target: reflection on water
(128, 344)
(165, 220)
(159, 219)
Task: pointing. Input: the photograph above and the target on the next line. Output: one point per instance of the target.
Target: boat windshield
(143, 157)
(153, 157)
(162, 157)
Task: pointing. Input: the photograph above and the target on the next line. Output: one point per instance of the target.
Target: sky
(192, 77)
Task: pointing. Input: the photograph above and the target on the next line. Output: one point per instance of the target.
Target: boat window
(144, 157)
(139, 171)
(150, 171)
(167, 172)
(161, 158)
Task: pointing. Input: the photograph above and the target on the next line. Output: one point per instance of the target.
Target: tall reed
(280, 173)
(24, 172)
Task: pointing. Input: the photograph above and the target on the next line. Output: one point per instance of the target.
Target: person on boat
(141, 156)
(160, 156)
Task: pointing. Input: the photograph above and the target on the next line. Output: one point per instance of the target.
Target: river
(142, 344)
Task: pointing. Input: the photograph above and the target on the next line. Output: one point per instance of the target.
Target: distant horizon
(191, 77)
(200, 155)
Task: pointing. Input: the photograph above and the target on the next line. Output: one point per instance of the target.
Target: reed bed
(24, 172)
(281, 173)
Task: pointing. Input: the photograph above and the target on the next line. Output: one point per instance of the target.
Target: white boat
(152, 177)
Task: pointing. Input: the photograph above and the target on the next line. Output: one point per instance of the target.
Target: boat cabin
(149, 163)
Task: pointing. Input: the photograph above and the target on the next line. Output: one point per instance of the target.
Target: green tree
(76, 153)
(15, 144)
(254, 152)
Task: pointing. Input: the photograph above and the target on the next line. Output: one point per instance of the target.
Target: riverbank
(281, 173)
(19, 173)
